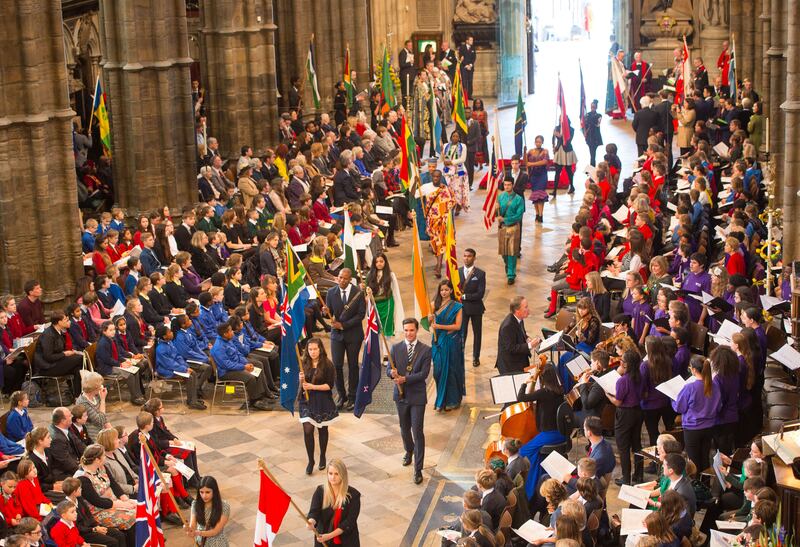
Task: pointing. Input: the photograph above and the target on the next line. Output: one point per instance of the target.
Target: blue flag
(292, 323)
(370, 363)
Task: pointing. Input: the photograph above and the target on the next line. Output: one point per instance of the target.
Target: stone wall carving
(714, 12)
(475, 11)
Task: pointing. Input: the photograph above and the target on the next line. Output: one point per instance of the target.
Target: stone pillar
(758, 44)
(512, 43)
(238, 40)
(791, 163)
(748, 49)
(715, 21)
(777, 67)
(764, 87)
(39, 221)
(146, 73)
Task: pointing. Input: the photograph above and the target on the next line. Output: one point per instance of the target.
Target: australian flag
(370, 362)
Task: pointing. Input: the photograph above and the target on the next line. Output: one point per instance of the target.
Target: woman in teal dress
(386, 293)
(447, 352)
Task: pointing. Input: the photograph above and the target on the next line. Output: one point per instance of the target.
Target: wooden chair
(30, 353)
(219, 383)
(593, 523)
(110, 380)
(175, 380)
(776, 338)
(697, 337)
(503, 528)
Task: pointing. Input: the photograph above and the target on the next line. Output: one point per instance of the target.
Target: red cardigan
(66, 536)
(10, 508)
(735, 264)
(18, 327)
(29, 495)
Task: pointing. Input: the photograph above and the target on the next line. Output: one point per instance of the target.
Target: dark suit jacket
(513, 353)
(704, 110)
(345, 188)
(183, 237)
(520, 466)
(473, 290)
(66, 451)
(467, 55)
(664, 110)
(414, 392)
(43, 469)
(450, 55)
(351, 317)
(643, 120)
(294, 97)
(474, 136)
(521, 182)
(49, 349)
(494, 503)
(685, 489)
(593, 399)
(406, 67)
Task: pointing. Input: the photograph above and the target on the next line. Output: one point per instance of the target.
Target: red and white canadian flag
(272, 506)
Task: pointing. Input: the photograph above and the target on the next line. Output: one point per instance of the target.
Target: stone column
(238, 40)
(764, 87)
(791, 162)
(39, 221)
(757, 45)
(748, 50)
(715, 23)
(777, 90)
(146, 73)
(512, 43)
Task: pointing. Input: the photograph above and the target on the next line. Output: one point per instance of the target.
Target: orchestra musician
(585, 330)
(548, 398)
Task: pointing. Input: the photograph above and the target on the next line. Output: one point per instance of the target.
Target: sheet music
(672, 207)
(671, 388)
(621, 214)
(612, 254)
(716, 463)
(301, 248)
(722, 149)
(727, 330)
(721, 539)
(788, 356)
(384, 210)
(633, 521)
(731, 525)
(787, 449)
(118, 309)
(549, 342)
(361, 240)
(591, 171)
(608, 381)
(503, 390)
(256, 372)
(557, 465)
(635, 496)
(578, 365)
(183, 469)
(532, 531)
(768, 302)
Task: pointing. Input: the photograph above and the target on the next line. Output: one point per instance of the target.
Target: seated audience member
(169, 361)
(87, 525)
(93, 401)
(78, 425)
(675, 471)
(29, 493)
(82, 330)
(516, 464)
(111, 358)
(470, 501)
(658, 528)
(118, 468)
(9, 506)
(52, 358)
(167, 441)
(18, 422)
(231, 365)
(65, 532)
(492, 501)
(37, 447)
(472, 525)
(28, 533)
(65, 446)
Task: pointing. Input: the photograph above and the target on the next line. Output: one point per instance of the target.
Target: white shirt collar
(41, 455)
(486, 492)
(20, 411)
(511, 458)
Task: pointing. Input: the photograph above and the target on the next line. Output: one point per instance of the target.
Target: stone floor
(394, 510)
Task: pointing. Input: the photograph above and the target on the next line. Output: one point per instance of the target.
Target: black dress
(320, 409)
(348, 521)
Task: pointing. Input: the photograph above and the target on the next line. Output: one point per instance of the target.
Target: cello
(517, 421)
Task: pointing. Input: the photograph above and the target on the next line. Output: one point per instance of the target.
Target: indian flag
(422, 306)
(348, 242)
(99, 111)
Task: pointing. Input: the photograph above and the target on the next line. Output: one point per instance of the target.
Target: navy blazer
(127, 344)
(414, 390)
(513, 353)
(104, 357)
(351, 317)
(603, 455)
(79, 342)
(473, 291)
(150, 263)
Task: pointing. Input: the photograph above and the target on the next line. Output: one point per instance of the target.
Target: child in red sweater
(28, 493)
(9, 506)
(65, 532)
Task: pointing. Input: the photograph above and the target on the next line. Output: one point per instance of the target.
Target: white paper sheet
(384, 210)
(621, 214)
(361, 240)
(256, 372)
(118, 309)
(633, 521)
(577, 365)
(183, 469)
(533, 530)
(451, 535)
(608, 381)
(301, 248)
(716, 463)
(557, 465)
(721, 539)
(769, 301)
(635, 496)
(671, 388)
(731, 525)
(722, 149)
(612, 254)
(788, 356)
(549, 342)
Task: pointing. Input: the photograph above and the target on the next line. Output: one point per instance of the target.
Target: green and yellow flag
(99, 111)
(348, 82)
(387, 85)
(459, 107)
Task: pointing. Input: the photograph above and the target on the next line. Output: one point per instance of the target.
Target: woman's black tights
(308, 437)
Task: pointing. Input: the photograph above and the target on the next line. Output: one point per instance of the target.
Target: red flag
(562, 107)
(494, 179)
(273, 503)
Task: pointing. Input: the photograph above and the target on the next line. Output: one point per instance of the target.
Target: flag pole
(422, 269)
(299, 363)
(263, 466)
(143, 442)
(91, 117)
(383, 339)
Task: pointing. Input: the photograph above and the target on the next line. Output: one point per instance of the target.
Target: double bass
(517, 421)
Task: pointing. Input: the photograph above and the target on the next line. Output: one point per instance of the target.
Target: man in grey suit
(412, 360)
(674, 468)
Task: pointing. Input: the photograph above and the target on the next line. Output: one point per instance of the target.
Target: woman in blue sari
(447, 352)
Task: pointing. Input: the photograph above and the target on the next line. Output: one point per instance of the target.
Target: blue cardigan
(18, 424)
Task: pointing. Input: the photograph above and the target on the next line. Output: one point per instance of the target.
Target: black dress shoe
(139, 401)
(620, 481)
(407, 459)
(197, 405)
(173, 518)
(310, 468)
(571, 190)
(322, 463)
(417, 477)
(261, 404)
(392, 243)
(476, 363)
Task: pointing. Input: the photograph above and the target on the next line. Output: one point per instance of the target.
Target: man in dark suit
(472, 283)
(519, 176)
(66, 448)
(674, 468)
(703, 105)
(665, 125)
(52, 358)
(513, 343)
(492, 501)
(185, 231)
(408, 71)
(346, 307)
(412, 360)
(295, 100)
(467, 54)
(345, 185)
(473, 141)
(700, 73)
(449, 55)
(644, 119)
